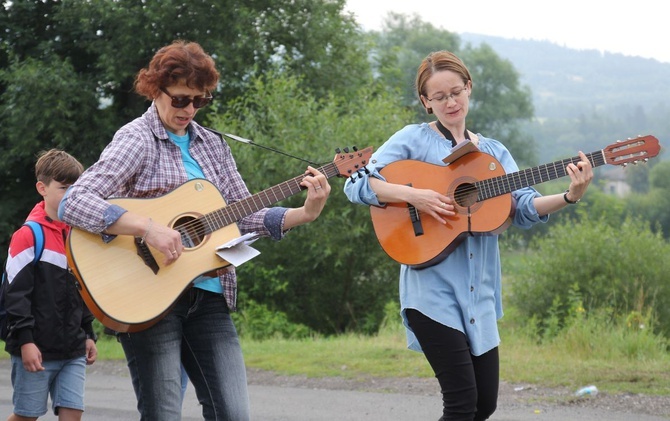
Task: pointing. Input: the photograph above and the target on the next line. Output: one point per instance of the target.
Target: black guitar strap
(448, 134)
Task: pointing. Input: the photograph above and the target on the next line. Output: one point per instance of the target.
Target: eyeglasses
(442, 98)
(183, 101)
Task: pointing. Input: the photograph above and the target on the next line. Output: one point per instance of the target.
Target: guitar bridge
(416, 220)
(146, 256)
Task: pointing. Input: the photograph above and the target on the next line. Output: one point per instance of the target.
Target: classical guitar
(482, 193)
(125, 283)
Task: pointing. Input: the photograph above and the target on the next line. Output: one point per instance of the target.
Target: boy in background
(50, 333)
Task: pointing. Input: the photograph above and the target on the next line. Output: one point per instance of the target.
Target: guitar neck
(508, 183)
(245, 207)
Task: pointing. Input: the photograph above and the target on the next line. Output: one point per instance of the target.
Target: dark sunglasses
(183, 101)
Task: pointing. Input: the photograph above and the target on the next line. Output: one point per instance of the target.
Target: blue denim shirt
(463, 291)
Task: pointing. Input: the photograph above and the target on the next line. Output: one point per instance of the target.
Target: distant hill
(560, 75)
(630, 95)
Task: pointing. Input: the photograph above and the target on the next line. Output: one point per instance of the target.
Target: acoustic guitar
(482, 193)
(125, 283)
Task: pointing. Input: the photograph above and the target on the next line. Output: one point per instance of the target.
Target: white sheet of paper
(244, 239)
(238, 254)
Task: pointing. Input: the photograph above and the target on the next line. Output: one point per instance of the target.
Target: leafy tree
(399, 48)
(67, 67)
(654, 205)
(330, 275)
(499, 103)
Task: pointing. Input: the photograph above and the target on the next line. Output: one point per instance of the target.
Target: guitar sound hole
(192, 231)
(465, 195)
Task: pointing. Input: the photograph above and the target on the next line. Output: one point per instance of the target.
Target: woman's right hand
(430, 202)
(164, 239)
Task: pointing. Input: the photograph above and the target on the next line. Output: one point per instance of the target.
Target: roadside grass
(562, 362)
(592, 350)
(522, 360)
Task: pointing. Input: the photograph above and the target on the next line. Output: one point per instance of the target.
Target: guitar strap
(448, 134)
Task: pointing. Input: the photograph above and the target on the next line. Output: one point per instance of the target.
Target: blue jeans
(62, 379)
(199, 334)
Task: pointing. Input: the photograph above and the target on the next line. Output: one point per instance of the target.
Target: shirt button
(472, 321)
(472, 255)
(472, 288)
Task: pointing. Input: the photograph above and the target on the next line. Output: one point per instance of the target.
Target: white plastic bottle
(587, 391)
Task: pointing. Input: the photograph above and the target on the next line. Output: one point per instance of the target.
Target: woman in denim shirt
(451, 308)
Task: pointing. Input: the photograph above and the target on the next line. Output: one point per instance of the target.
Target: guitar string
(207, 223)
(507, 183)
(210, 222)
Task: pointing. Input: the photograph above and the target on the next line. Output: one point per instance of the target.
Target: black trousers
(469, 384)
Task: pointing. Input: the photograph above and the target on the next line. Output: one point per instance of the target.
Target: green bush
(257, 321)
(599, 265)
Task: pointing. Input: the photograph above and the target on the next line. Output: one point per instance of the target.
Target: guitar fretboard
(245, 207)
(508, 183)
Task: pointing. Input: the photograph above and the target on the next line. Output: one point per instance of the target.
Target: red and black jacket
(42, 301)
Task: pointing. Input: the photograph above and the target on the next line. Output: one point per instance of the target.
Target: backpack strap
(38, 235)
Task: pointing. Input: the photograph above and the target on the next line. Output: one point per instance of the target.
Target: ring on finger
(317, 187)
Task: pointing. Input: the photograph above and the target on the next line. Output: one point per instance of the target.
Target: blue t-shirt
(193, 170)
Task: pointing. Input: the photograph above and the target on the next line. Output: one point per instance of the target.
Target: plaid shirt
(142, 162)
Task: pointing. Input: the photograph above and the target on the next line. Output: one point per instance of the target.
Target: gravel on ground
(510, 395)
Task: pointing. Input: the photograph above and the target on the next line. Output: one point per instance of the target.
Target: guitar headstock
(349, 162)
(634, 150)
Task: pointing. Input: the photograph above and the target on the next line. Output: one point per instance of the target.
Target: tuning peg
(338, 151)
(346, 150)
(353, 180)
(355, 148)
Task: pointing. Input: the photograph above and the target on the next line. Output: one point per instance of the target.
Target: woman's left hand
(581, 175)
(318, 191)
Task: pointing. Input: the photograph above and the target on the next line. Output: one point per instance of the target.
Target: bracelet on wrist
(568, 201)
(144, 237)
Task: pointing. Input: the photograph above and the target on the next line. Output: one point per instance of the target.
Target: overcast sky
(635, 28)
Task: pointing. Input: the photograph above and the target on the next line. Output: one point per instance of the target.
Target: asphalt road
(109, 397)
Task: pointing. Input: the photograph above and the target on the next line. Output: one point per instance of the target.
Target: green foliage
(499, 102)
(399, 48)
(67, 68)
(257, 321)
(331, 274)
(392, 322)
(620, 267)
(659, 176)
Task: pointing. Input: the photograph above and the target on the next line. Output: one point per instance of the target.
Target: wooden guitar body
(122, 291)
(395, 223)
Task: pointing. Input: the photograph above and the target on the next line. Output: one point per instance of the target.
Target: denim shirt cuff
(111, 215)
(274, 221)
